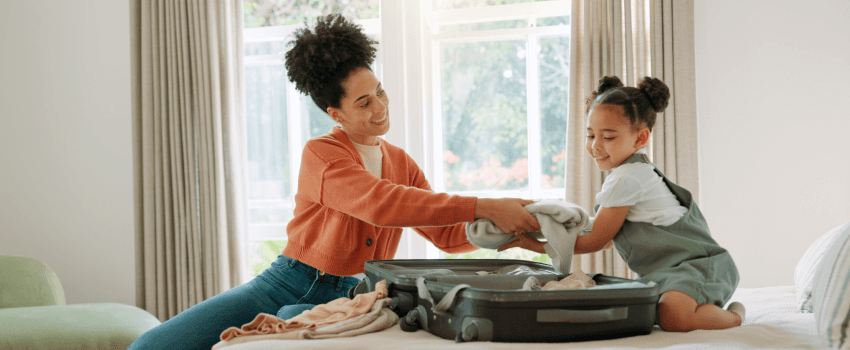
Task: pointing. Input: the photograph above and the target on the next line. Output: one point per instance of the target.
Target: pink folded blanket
(322, 315)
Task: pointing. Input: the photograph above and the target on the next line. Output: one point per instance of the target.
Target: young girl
(655, 225)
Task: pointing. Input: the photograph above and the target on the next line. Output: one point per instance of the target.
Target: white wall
(772, 101)
(66, 160)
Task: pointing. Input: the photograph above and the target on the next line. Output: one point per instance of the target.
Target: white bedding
(772, 323)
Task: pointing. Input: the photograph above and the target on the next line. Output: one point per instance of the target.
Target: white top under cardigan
(637, 185)
(372, 157)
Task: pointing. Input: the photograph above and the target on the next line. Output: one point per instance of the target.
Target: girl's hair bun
(608, 82)
(656, 92)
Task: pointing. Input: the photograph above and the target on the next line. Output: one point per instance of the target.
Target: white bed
(772, 322)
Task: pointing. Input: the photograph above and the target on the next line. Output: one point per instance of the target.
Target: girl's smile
(611, 139)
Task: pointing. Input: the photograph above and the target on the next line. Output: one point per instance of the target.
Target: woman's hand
(508, 214)
(525, 242)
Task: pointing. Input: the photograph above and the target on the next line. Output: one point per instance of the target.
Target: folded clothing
(560, 224)
(380, 317)
(577, 280)
(314, 322)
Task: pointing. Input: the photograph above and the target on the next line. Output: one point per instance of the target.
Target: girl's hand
(508, 214)
(609, 245)
(525, 242)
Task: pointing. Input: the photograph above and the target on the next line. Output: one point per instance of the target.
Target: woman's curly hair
(640, 104)
(321, 58)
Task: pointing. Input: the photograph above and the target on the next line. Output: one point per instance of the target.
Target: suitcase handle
(441, 307)
(582, 316)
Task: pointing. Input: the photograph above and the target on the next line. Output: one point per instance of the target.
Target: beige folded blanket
(323, 315)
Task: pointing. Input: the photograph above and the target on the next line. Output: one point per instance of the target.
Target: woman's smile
(381, 121)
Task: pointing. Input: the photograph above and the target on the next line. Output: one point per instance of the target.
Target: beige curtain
(189, 153)
(631, 39)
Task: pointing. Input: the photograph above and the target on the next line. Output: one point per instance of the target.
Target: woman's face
(610, 137)
(363, 111)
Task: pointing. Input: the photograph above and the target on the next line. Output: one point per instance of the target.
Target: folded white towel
(560, 224)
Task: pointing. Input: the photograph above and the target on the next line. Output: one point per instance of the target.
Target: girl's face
(610, 137)
(363, 111)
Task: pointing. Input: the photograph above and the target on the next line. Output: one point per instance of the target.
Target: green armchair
(33, 313)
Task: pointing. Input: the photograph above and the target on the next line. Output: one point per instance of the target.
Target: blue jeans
(286, 282)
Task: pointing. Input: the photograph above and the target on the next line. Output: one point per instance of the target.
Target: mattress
(772, 322)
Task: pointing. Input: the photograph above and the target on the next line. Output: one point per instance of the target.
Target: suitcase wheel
(475, 329)
(410, 322)
(361, 287)
(469, 333)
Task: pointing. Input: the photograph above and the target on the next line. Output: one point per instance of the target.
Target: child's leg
(678, 312)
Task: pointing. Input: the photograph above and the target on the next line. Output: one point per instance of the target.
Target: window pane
(553, 21)
(268, 148)
(318, 121)
(468, 27)
(265, 48)
(485, 144)
(554, 99)
(270, 212)
(264, 13)
(263, 253)
(458, 4)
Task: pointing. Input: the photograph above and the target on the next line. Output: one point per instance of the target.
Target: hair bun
(656, 91)
(329, 48)
(608, 82)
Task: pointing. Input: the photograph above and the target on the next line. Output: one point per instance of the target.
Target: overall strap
(638, 158)
(682, 194)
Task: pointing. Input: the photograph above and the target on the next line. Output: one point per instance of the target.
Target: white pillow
(831, 293)
(809, 264)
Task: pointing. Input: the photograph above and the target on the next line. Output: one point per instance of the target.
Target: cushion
(808, 265)
(831, 293)
(76, 326)
(28, 282)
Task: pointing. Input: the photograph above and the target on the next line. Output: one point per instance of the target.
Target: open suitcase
(454, 299)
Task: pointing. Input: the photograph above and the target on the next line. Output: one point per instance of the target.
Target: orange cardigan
(345, 216)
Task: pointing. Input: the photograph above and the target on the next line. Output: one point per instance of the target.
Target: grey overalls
(681, 256)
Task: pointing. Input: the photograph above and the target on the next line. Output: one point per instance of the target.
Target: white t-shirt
(372, 157)
(637, 185)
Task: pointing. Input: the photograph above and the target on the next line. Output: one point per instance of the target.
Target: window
(499, 77)
(483, 109)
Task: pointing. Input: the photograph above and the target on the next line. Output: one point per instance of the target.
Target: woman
(355, 193)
